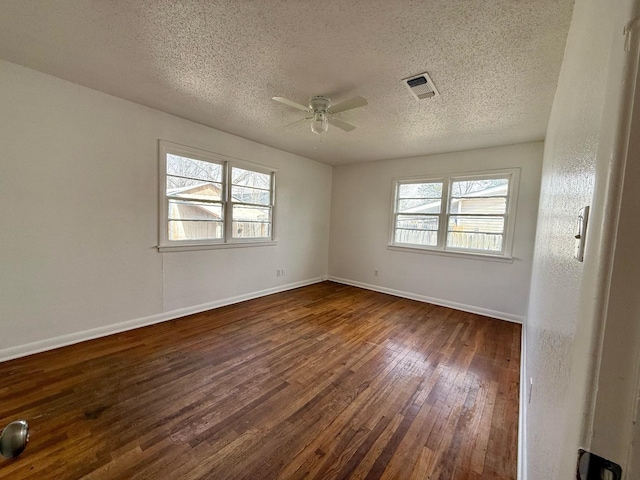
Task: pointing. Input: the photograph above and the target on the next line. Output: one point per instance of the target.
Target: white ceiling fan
(322, 112)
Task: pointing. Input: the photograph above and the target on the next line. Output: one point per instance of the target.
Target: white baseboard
(436, 301)
(522, 411)
(77, 337)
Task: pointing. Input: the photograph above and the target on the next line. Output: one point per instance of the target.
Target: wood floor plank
(327, 382)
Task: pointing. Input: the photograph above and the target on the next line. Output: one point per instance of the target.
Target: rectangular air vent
(421, 86)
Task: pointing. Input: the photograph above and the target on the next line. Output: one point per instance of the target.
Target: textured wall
(360, 223)
(564, 315)
(79, 216)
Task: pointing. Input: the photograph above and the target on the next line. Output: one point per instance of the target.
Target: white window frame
(513, 174)
(227, 240)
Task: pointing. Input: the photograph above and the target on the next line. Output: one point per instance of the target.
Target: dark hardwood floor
(326, 381)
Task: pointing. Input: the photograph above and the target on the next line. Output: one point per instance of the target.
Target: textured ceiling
(494, 62)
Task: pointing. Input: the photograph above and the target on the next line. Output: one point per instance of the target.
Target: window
(211, 200)
(470, 213)
(251, 203)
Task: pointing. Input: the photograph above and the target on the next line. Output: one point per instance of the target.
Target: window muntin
(470, 215)
(207, 199)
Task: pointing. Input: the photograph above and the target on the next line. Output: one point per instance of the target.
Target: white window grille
(458, 213)
(212, 200)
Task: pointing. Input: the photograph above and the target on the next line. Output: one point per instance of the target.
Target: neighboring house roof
(194, 189)
(434, 207)
(195, 192)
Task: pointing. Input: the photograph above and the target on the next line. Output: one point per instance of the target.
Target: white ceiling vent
(421, 86)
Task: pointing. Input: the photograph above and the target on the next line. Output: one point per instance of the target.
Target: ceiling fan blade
(347, 127)
(298, 121)
(291, 103)
(355, 102)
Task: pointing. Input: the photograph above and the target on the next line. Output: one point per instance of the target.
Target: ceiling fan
(322, 112)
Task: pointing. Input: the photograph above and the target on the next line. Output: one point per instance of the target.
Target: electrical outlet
(375, 273)
(283, 272)
(278, 272)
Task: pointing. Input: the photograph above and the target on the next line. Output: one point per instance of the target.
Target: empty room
(331, 240)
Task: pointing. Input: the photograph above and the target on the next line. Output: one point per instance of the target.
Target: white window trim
(166, 245)
(440, 248)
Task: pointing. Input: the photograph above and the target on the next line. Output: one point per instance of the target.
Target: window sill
(449, 253)
(213, 246)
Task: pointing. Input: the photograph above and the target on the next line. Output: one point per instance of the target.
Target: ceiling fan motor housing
(319, 104)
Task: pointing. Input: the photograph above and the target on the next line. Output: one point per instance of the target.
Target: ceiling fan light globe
(319, 124)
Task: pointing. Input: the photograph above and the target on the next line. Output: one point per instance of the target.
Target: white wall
(78, 209)
(568, 300)
(360, 219)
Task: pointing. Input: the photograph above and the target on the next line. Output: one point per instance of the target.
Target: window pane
(191, 188)
(480, 188)
(417, 230)
(191, 168)
(249, 178)
(420, 190)
(476, 224)
(411, 222)
(179, 210)
(253, 214)
(475, 241)
(250, 195)
(416, 237)
(194, 230)
(479, 205)
(251, 222)
(419, 205)
(251, 230)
